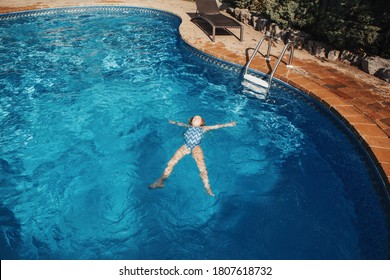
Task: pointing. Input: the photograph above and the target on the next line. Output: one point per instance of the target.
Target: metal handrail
(288, 45)
(265, 37)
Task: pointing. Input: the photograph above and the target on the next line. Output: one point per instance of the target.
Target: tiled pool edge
(371, 136)
(367, 131)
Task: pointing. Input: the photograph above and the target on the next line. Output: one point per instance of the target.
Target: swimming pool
(86, 95)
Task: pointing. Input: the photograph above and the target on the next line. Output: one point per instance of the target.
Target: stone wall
(375, 66)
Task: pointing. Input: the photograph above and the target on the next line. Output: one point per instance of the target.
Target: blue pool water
(85, 99)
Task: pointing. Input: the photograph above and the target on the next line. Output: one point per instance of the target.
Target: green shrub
(296, 14)
(352, 24)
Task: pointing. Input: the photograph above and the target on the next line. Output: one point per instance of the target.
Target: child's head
(197, 121)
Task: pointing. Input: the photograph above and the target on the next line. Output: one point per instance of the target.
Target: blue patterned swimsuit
(193, 136)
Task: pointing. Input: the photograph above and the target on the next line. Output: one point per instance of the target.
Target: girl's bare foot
(158, 184)
(210, 192)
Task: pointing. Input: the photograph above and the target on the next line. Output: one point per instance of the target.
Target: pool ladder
(258, 84)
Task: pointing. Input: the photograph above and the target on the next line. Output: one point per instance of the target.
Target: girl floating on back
(193, 135)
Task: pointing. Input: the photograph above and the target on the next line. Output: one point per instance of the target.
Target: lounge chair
(208, 11)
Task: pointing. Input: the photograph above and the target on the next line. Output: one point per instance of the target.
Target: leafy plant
(352, 24)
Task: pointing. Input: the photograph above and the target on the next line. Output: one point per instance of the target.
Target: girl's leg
(197, 153)
(180, 153)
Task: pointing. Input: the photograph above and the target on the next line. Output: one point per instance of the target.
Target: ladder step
(261, 96)
(254, 89)
(256, 80)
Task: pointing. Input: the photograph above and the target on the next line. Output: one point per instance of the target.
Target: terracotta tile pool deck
(361, 101)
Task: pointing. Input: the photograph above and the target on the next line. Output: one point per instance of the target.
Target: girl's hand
(178, 123)
(232, 124)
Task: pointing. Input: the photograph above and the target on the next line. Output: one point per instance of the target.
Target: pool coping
(364, 119)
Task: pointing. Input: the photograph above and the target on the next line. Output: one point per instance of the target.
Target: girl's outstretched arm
(178, 123)
(217, 126)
